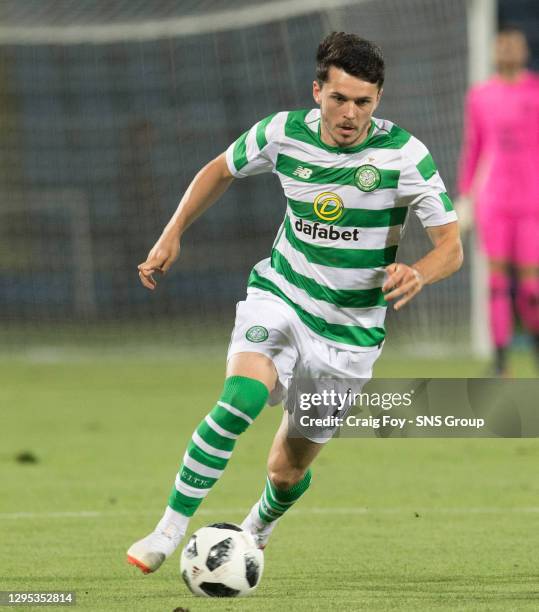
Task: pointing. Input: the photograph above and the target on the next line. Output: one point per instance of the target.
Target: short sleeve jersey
(501, 145)
(346, 209)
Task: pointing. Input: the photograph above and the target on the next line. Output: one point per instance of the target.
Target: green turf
(393, 524)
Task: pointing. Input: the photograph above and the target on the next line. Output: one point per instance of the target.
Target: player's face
(511, 51)
(346, 107)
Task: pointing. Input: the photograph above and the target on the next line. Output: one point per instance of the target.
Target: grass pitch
(388, 524)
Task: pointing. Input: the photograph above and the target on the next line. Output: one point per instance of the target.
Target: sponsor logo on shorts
(367, 177)
(257, 333)
(328, 206)
(318, 230)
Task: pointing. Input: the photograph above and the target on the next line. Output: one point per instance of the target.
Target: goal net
(108, 109)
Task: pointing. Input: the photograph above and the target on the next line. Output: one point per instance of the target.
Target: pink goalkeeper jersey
(500, 153)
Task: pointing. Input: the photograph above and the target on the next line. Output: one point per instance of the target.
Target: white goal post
(482, 25)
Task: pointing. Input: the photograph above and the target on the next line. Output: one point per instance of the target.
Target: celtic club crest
(367, 178)
(257, 333)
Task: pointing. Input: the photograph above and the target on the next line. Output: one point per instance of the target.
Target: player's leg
(295, 446)
(288, 478)
(528, 302)
(250, 378)
(501, 313)
(496, 234)
(527, 265)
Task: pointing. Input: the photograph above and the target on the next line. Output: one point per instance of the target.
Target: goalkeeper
(499, 167)
(315, 309)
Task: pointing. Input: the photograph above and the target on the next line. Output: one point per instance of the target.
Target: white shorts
(267, 325)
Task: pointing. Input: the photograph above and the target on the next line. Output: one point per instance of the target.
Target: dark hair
(510, 28)
(356, 56)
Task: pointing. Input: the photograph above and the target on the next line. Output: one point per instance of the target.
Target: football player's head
(348, 87)
(510, 50)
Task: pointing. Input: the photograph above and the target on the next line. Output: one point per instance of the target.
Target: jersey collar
(354, 149)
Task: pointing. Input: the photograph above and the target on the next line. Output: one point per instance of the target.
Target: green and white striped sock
(213, 441)
(275, 502)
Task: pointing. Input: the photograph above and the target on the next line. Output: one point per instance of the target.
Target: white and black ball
(221, 560)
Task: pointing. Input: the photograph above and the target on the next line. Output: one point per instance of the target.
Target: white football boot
(149, 553)
(259, 529)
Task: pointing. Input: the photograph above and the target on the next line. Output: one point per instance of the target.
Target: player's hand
(160, 258)
(402, 282)
(464, 208)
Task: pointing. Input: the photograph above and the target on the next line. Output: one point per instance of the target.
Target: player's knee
(498, 267)
(240, 403)
(528, 293)
(499, 283)
(527, 274)
(286, 478)
(245, 394)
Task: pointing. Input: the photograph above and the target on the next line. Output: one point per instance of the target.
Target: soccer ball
(221, 560)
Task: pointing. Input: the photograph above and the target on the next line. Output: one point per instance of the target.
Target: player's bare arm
(205, 189)
(405, 282)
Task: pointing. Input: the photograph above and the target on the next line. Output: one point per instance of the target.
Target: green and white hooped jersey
(346, 209)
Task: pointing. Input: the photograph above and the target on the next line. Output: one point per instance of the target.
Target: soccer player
(316, 307)
(499, 165)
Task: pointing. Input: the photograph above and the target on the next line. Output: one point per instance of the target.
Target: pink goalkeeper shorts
(509, 238)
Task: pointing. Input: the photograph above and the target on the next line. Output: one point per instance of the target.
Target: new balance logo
(304, 173)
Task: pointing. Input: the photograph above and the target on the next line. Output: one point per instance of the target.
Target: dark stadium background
(123, 127)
